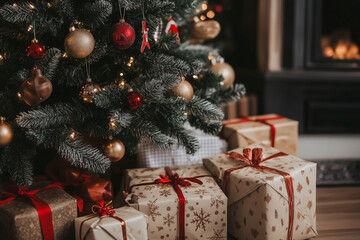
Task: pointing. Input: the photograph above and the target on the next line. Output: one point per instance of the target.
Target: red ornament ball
(134, 100)
(35, 51)
(122, 35)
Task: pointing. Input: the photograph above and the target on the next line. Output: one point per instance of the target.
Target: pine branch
(204, 110)
(50, 62)
(146, 130)
(190, 143)
(83, 155)
(18, 14)
(212, 127)
(97, 13)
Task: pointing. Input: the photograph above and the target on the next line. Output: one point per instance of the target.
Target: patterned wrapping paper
(19, 219)
(151, 156)
(246, 133)
(258, 199)
(107, 227)
(205, 205)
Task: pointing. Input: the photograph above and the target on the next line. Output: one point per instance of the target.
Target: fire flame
(339, 46)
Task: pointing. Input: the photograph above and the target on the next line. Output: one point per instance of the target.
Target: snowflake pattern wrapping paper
(205, 204)
(243, 132)
(92, 227)
(258, 199)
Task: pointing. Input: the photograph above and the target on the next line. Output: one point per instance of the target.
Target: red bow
(42, 207)
(103, 209)
(253, 158)
(262, 120)
(175, 180)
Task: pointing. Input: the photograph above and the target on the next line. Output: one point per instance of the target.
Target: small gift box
(124, 223)
(181, 202)
(151, 156)
(272, 130)
(86, 188)
(272, 195)
(46, 213)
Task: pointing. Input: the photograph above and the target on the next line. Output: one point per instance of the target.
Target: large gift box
(181, 202)
(46, 213)
(124, 223)
(270, 129)
(271, 195)
(151, 156)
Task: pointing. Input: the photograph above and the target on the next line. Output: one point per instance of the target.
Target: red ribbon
(262, 120)
(102, 209)
(175, 180)
(253, 158)
(42, 207)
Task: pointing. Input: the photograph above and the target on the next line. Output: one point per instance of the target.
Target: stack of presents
(248, 184)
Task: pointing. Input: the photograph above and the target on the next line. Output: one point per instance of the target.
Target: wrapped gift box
(260, 197)
(20, 220)
(93, 227)
(261, 129)
(205, 210)
(151, 156)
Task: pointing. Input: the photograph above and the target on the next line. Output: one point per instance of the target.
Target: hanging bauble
(79, 43)
(134, 100)
(122, 35)
(114, 149)
(35, 50)
(158, 31)
(226, 71)
(89, 90)
(6, 132)
(204, 30)
(183, 89)
(36, 88)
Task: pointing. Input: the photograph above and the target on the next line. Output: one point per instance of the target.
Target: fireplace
(308, 63)
(333, 37)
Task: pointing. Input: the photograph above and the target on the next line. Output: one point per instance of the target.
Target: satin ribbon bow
(41, 207)
(103, 209)
(174, 178)
(253, 158)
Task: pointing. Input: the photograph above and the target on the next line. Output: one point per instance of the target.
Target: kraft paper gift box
(203, 215)
(92, 227)
(270, 129)
(19, 219)
(260, 196)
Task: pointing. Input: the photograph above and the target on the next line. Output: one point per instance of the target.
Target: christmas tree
(136, 82)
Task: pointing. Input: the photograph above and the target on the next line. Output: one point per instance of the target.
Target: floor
(338, 213)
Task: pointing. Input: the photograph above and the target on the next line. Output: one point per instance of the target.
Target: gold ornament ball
(79, 43)
(36, 88)
(88, 91)
(6, 134)
(205, 30)
(114, 149)
(184, 90)
(226, 71)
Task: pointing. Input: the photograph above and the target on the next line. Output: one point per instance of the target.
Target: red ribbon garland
(262, 120)
(253, 158)
(175, 180)
(42, 207)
